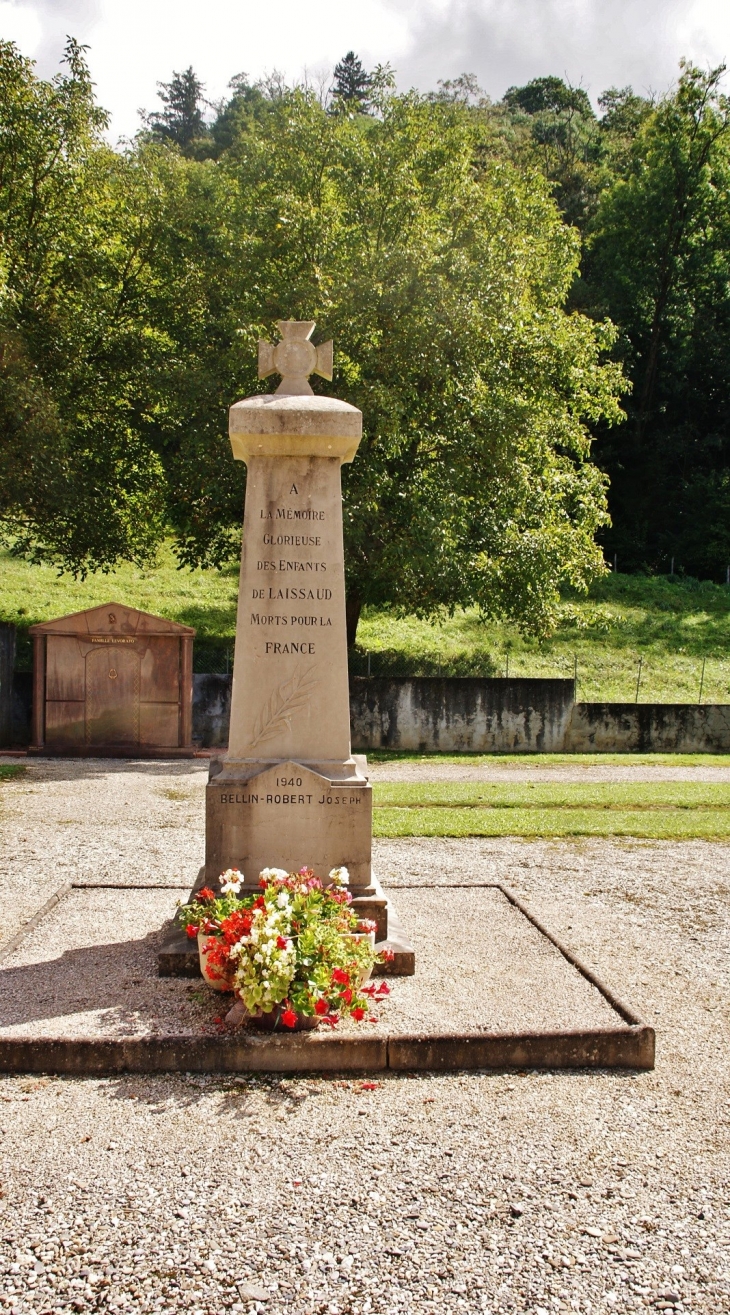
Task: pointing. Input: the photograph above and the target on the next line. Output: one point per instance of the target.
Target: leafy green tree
(77, 485)
(443, 287)
(659, 264)
(442, 273)
(564, 139)
(351, 87)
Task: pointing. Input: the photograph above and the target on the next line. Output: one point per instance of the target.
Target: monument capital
(293, 421)
(295, 358)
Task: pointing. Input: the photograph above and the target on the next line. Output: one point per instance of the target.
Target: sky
(133, 44)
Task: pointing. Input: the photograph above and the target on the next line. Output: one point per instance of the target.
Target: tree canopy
(429, 235)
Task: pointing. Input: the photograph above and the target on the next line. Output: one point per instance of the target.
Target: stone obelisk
(289, 792)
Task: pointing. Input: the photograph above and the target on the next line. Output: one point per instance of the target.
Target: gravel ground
(536, 1192)
(97, 820)
(90, 970)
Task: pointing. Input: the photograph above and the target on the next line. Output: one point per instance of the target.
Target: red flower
(289, 1018)
(192, 930)
(238, 924)
(383, 989)
(369, 989)
(347, 995)
(339, 975)
(358, 1014)
(205, 894)
(369, 1086)
(388, 955)
(281, 942)
(321, 1007)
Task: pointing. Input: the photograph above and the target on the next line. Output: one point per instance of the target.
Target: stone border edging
(20, 935)
(628, 1047)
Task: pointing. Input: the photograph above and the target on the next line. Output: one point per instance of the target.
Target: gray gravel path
(458, 1193)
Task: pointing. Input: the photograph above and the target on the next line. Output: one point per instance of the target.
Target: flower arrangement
(292, 951)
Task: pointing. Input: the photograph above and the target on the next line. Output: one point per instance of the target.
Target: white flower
(273, 874)
(231, 881)
(341, 876)
(282, 900)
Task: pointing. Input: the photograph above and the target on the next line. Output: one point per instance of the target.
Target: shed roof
(110, 619)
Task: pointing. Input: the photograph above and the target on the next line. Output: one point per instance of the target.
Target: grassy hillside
(672, 625)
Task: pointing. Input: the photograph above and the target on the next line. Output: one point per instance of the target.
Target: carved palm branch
(284, 702)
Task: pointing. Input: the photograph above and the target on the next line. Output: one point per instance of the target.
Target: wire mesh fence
(623, 677)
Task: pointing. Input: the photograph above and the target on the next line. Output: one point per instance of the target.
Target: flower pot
(271, 1021)
(220, 979)
(363, 936)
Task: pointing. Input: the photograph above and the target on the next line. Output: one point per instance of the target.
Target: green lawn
(672, 625)
(653, 810)
(9, 770)
(673, 824)
(620, 795)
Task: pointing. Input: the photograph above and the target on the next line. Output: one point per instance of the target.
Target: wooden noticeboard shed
(112, 681)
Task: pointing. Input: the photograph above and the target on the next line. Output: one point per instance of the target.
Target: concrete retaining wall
(470, 715)
(457, 715)
(649, 728)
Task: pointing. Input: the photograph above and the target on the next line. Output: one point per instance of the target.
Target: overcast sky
(594, 43)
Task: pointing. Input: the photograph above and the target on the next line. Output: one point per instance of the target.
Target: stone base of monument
(80, 994)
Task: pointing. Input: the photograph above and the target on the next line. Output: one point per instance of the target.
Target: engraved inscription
(346, 800)
(109, 639)
(292, 514)
(293, 540)
(291, 647)
(283, 565)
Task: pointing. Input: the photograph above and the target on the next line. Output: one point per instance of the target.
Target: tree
(564, 138)
(659, 264)
(440, 270)
(443, 287)
(351, 87)
(77, 485)
(181, 120)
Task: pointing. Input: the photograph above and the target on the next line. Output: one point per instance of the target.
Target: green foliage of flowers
(300, 951)
(294, 943)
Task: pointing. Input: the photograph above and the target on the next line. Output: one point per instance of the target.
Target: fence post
(702, 679)
(7, 667)
(638, 679)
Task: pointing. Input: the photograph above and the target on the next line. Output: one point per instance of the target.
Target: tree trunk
(353, 608)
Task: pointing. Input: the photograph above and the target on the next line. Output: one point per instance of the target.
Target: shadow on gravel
(117, 983)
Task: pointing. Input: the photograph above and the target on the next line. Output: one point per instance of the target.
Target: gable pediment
(110, 619)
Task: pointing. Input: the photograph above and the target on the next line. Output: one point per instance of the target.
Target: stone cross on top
(295, 358)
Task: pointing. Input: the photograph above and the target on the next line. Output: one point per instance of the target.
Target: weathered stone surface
(285, 815)
(289, 793)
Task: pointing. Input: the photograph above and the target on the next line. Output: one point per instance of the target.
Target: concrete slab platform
(81, 994)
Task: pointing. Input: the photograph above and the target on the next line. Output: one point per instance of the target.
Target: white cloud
(596, 43)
